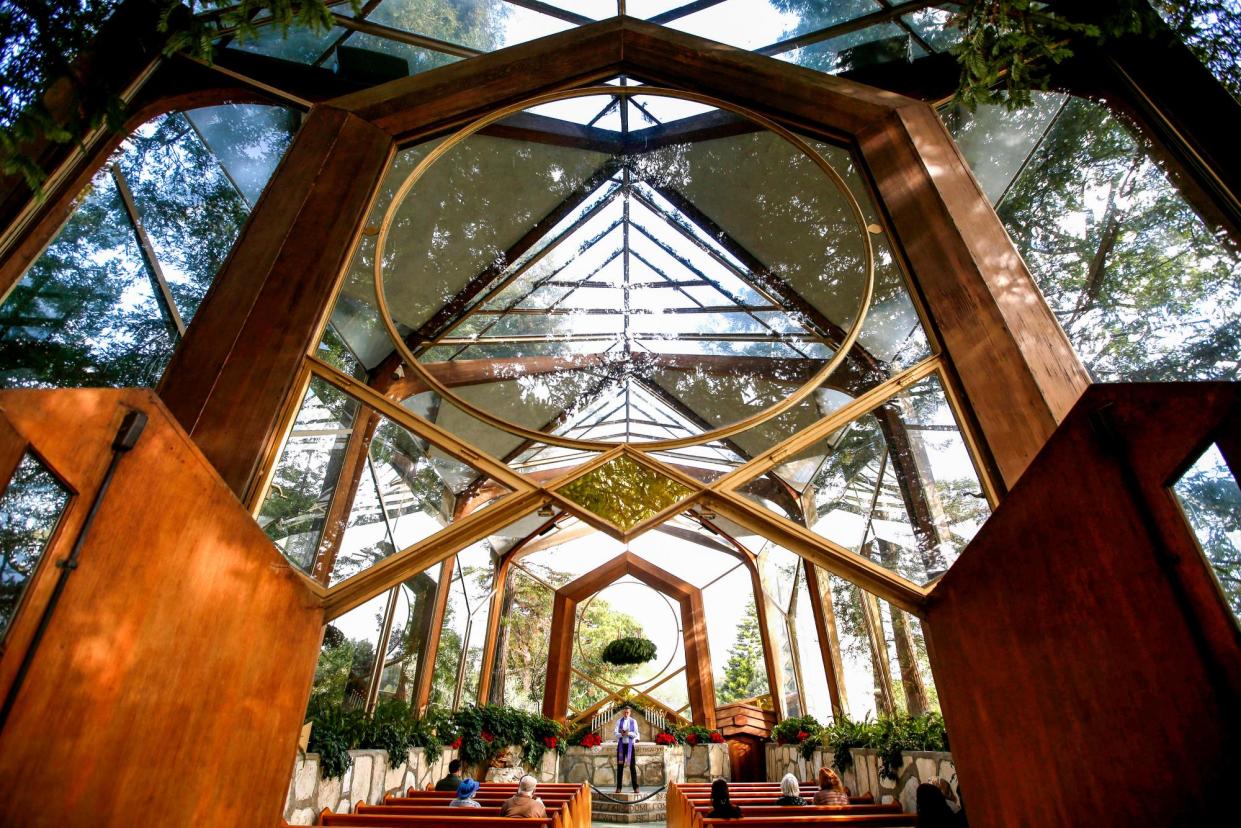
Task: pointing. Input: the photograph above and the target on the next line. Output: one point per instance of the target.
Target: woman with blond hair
(831, 789)
(790, 790)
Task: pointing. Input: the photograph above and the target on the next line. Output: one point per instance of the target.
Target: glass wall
(1209, 495)
(1145, 288)
(30, 510)
(108, 301)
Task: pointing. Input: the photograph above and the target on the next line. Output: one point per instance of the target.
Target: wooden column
(829, 640)
(1017, 368)
(230, 379)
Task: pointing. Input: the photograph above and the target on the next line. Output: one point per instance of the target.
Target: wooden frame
(698, 676)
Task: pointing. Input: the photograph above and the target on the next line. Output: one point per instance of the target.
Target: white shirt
(626, 724)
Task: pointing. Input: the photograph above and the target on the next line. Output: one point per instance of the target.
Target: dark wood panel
(1080, 634)
(170, 686)
(231, 377)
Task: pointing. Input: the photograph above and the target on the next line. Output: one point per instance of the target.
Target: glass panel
(297, 501)
(416, 59)
(353, 487)
(248, 140)
(1209, 494)
(624, 492)
(525, 631)
(816, 700)
(862, 692)
(85, 312)
(30, 510)
(301, 45)
(347, 655)
(480, 24)
(750, 24)
(896, 485)
(881, 43)
(1145, 289)
(1210, 30)
(459, 658)
(411, 627)
(735, 638)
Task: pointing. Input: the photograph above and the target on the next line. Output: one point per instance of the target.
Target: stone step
(628, 810)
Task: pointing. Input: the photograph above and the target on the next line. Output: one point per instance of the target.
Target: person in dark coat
(721, 806)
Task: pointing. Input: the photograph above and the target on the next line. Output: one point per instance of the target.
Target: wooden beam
(1017, 368)
(228, 382)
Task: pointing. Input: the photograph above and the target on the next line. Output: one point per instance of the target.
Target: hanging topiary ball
(628, 650)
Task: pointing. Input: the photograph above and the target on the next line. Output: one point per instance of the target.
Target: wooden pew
(571, 801)
(457, 817)
(689, 803)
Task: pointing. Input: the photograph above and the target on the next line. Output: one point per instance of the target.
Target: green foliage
(624, 492)
(1212, 30)
(745, 674)
(1008, 46)
(629, 650)
(394, 727)
(889, 736)
(799, 730)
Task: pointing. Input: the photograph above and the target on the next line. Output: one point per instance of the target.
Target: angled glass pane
(896, 485)
(1145, 287)
(300, 45)
(347, 656)
(874, 45)
(411, 628)
(85, 313)
(735, 638)
(1210, 31)
(750, 24)
(30, 510)
(352, 487)
(624, 492)
(1211, 499)
(247, 140)
(480, 24)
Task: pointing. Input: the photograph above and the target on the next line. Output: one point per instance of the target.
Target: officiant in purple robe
(626, 733)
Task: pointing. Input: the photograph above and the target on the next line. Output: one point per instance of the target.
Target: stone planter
(657, 765)
(706, 763)
(782, 759)
(510, 767)
(369, 779)
(916, 767)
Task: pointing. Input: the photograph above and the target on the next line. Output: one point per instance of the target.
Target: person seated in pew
(831, 789)
(790, 789)
(949, 796)
(524, 803)
(452, 781)
(465, 795)
(721, 806)
(933, 810)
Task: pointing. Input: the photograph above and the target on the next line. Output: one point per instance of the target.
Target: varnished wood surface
(228, 382)
(700, 684)
(1018, 371)
(170, 686)
(1080, 641)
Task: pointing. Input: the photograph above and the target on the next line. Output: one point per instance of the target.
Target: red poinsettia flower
(456, 743)
(592, 740)
(692, 738)
(665, 738)
(717, 737)
(487, 737)
(550, 741)
(802, 735)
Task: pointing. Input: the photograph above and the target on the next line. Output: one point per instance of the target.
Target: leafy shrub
(628, 650)
(334, 733)
(799, 730)
(889, 736)
(698, 735)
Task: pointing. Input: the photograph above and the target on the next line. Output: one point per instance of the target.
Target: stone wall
(917, 767)
(371, 778)
(657, 765)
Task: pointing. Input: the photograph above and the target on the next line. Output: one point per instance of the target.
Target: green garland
(628, 650)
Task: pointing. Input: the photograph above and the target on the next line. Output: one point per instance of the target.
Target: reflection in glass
(352, 487)
(648, 280)
(896, 485)
(1145, 288)
(735, 638)
(347, 656)
(30, 510)
(1211, 499)
(411, 629)
(87, 312)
